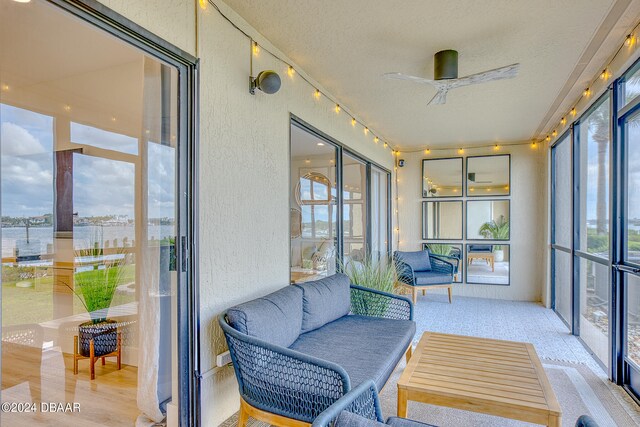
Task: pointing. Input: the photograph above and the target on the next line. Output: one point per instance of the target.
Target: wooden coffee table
(502, 378)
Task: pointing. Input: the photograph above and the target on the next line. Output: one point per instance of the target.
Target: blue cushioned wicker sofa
(298, 350)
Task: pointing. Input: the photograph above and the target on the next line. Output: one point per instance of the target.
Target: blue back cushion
(275, 318)
(325, 300)
(480, 248)
(418, 260)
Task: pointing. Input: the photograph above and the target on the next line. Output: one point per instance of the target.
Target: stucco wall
(244, 169)
(528, 219)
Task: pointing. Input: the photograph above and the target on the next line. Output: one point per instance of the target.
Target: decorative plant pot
(499, 255)
(104, 335)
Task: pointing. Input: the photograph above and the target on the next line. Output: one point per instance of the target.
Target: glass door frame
(340, 149)
(188, 307)
(625, 373)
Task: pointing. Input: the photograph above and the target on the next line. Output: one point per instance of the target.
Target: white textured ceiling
(347, 46)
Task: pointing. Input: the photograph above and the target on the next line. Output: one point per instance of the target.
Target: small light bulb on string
(460, 150)
(604, 75)
(316, 94)
(548, 138)
(534, 144)
(366, 131)
(496, 147)
(586, 92)
(573, 111)
(337, 108)
(386, 145)
(376, 139)
(291, 71)
(203, 4)
(255, 48)
(563, 121)
(629, 40)
(554, 133)
(353, 121)
(427, 151)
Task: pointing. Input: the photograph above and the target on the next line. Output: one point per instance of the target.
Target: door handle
(626, 269)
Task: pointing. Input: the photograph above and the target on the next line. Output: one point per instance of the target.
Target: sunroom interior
(149, 182)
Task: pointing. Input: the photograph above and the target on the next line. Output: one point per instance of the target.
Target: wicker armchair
(422, 270)
(360, 408)
(283, 386)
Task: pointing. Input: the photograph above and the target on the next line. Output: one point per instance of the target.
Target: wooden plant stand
(77, 356)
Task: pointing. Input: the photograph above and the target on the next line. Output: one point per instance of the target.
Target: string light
(366, 130)
(496, 147)
(337, 108)
(586, 92)
(67, 108)
(563, 121)
(353, 121)
(460, 150)
(628, 41)
(573, 111)
(291, 71)
(548, 138)
(255, 48)
(554, 133)
(376, 139)
(534, 144)
(203, 4)
(316, 94)
(605, 74)
(386, 145)
(427, 151)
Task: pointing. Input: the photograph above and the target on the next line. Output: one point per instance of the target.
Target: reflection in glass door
(354, 212)
(89, 204)
(313, 206)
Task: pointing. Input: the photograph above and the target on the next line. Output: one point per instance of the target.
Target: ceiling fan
(445, 75)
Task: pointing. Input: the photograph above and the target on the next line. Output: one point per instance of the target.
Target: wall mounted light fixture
(267, 81)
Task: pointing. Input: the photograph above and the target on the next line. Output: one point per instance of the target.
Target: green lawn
(35, 304)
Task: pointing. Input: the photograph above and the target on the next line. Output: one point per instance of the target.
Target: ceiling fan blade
(439, 98)
(508, 72)
(400, 76)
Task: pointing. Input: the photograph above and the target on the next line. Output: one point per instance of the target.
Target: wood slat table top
(498, 377)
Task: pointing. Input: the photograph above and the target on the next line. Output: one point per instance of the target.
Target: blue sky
(101, 186)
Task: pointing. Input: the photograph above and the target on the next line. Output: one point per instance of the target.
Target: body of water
(41, 238)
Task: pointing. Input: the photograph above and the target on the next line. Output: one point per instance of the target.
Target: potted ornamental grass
(496, 230)
(95, 288)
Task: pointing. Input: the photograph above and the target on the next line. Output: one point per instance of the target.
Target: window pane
(562, 283)
(633, 317)
(594, 307)
(88, 135)
(562, 197)
(312, 206)
(632, 130)
(354, 211)
(379, 213)
(594, 181)
(631, 86)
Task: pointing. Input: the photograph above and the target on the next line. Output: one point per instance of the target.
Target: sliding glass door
(561, 229)
(629, 266)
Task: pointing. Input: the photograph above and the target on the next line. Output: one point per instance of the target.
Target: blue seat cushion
(404, 422)
(424, 278)
(366, 347)
(325, 300)
(418, 260)
(349, 419)
(275, 318)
